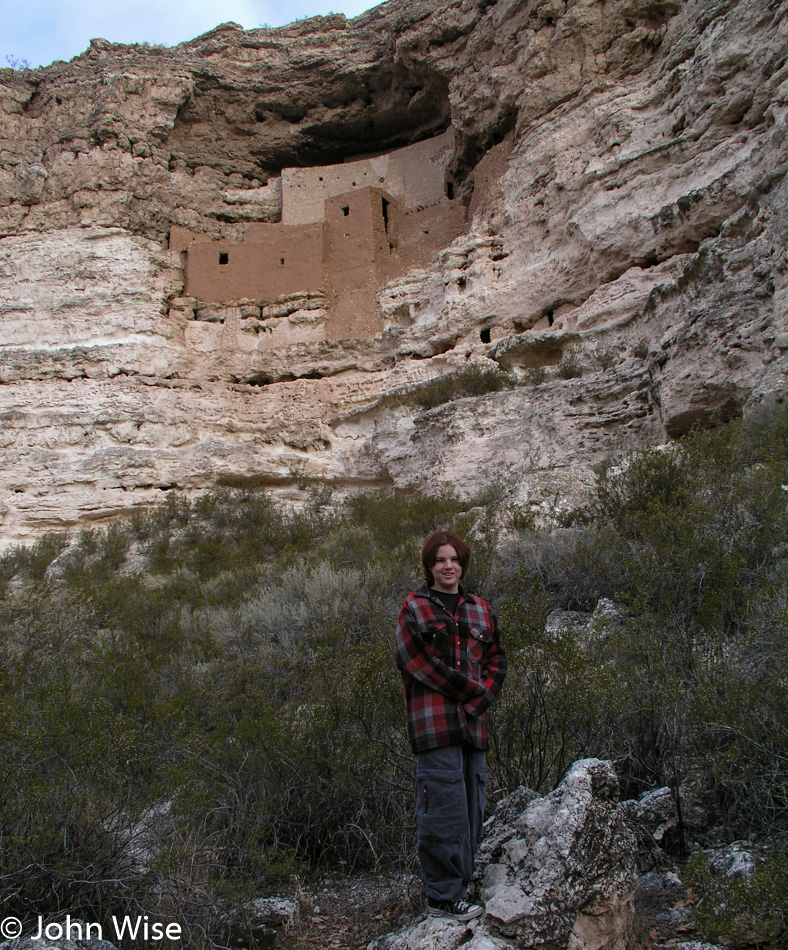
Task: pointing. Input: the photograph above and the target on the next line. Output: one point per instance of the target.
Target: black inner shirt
(449, 601)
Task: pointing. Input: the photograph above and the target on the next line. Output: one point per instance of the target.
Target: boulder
(69, 935)
(556, 872)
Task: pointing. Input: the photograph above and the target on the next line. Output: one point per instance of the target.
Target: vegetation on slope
(201, 701)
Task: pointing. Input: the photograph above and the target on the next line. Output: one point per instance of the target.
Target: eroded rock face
(556, 873)
(622, 166)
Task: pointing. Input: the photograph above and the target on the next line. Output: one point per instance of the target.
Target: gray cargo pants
(450, 801)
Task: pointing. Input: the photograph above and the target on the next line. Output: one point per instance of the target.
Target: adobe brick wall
(487, 174)
(425, 231)
(414, 175)
(358, 259)
(273, 260)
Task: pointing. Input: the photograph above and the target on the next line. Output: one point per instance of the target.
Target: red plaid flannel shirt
(453, 668)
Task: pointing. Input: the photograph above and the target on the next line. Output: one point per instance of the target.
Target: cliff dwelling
(341, 233)
(247, 258)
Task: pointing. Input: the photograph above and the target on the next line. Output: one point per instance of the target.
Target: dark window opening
(281, 260)
(484, 336)
(550, 317)
(385, 210)
(450, 190)
(224, 257)
(345, 210)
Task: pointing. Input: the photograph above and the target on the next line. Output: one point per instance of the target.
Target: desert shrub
(740, 716)
(77, 753)
(689, 541)
(473, 380)
(228, 530)
(557, 698)
(570, 365)
(32, 562)
(575, 569)
(606, 356)
(749, 910)
(226, 661)
(535, 375)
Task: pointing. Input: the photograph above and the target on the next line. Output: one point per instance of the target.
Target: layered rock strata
(621, 167)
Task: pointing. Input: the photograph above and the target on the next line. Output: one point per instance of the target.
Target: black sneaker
(456, 910)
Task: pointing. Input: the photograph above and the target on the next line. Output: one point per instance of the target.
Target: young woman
(453, 667)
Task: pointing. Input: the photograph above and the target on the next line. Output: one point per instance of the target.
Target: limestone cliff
(612, 234)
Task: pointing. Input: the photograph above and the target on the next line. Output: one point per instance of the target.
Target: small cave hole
(450, 190)
(550, 314)
(484, 336)
(281, 260)
(345, 210)
(224, 257)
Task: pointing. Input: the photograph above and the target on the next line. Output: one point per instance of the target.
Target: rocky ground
(347, 913)
(344, 913)
(570, 861)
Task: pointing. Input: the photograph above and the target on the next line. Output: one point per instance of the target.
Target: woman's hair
(429, 553)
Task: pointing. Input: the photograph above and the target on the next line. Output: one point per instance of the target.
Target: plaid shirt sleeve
(493, 675)
(416, 661)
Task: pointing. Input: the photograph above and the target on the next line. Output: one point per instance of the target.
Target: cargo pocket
(440, 804)
(481, 801)
(477, 799)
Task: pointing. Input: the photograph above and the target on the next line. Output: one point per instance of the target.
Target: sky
(37, 32)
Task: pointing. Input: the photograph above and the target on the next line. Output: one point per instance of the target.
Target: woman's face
(446, 571)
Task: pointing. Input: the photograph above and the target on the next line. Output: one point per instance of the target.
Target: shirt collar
(426, 591)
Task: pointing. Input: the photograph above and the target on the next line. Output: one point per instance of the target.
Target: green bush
(742, 910)
(570, 365)
(473, 380)
(32, 563)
